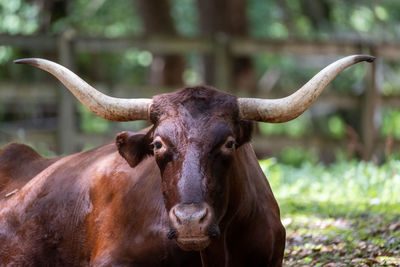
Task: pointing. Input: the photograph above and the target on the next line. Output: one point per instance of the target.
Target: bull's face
(194, 140)
(194, 161)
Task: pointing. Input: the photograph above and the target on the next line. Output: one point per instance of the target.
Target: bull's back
(18, 164)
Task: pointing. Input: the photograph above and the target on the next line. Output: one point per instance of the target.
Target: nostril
(172, 234)
(178, 220)
(203, 215)
(214, 231)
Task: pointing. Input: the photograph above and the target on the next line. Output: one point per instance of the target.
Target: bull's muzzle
(193, 225)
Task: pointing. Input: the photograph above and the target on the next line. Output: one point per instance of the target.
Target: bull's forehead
(207, 133)
(195, 115)
(194, 104)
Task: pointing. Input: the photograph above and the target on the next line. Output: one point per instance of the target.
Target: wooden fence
(224, 48)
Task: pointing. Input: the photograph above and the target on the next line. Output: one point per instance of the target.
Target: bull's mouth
(193, 243)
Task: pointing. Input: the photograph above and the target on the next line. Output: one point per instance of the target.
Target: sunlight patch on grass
(388, 260)
(345, 214)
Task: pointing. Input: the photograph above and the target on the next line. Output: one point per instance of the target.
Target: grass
(344, 214)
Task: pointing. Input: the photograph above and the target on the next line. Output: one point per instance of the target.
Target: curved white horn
(290, 107)
(106, 107)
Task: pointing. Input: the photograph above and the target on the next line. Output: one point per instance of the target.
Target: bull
(187, 191)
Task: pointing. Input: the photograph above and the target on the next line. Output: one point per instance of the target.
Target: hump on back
(18, 165)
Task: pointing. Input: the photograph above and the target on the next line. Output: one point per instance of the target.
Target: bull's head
(194, 138)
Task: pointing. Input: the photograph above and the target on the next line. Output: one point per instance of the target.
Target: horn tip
(366, 58)
(28, 61)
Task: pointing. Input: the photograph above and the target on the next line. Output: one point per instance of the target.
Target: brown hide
(92, 208)
(190, 185)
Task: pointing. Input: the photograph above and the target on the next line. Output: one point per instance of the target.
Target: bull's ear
(134, 147)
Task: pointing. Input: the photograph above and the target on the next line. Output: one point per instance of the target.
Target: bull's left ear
(134, 147)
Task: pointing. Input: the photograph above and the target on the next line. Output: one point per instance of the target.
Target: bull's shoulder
(18, 164)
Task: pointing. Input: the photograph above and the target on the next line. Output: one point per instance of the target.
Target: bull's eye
(157, 145)
(230, 144)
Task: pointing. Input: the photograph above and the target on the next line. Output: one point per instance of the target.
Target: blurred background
(335, 170)
(258, 48)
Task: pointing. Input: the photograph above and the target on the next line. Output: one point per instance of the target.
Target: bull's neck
(248, 185)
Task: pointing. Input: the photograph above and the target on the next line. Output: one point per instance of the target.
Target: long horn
(106, 107)
(290, 107)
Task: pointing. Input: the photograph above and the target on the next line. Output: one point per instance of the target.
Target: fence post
(66, 128)
(370, 117)
(223, 63)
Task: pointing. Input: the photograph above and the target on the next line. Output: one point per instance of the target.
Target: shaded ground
(320, 239)
(345, 214)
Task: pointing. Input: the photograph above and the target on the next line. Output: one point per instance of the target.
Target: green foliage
(185, 15)
(91, 123)
(5, 54)
(345, 214)
(350, 80)
(296, 156)
(361, 183)
(18, 17)
(295, 128)
(391, 79)
(114, 18)
(336, 127)
(299, 70)
(129, 67)
(266, 19)
(362, 19)
(281, 19)
(391, 123)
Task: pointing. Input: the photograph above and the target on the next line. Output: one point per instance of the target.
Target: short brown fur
(112, 205)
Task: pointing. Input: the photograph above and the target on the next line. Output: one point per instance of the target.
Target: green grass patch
(344, 214)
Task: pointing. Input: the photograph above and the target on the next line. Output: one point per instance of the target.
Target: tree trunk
(287, 18)
(165, 70)
(50, 12)
(228, 17)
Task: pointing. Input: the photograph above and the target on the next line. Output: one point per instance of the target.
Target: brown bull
(188, 191)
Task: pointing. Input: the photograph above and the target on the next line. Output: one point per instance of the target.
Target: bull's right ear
(134, 147)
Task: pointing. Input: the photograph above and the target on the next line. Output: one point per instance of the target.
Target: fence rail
(224, 47)
(238, 46)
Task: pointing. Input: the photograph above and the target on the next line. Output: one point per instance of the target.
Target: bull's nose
(191, 219)
(192, 226)
(187, 214)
